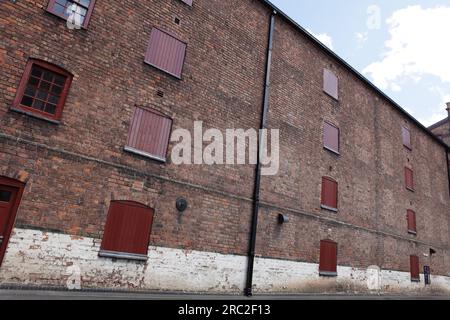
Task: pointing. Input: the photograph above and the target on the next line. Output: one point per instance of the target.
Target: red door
(10, 194)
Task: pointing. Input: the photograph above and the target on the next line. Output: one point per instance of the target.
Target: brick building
(89, 195)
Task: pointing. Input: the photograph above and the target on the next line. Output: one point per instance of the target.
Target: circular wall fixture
(282, 219)
(181, 204)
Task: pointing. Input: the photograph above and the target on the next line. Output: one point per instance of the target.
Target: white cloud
(362, 37)
(438, 112)
(324, 38)
(419, 45)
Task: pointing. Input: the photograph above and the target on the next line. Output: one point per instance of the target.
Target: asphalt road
(90, 295)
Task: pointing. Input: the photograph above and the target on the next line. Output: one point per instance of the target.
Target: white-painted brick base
(50, 259)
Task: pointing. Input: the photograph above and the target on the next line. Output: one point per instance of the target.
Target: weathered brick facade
(73, 170)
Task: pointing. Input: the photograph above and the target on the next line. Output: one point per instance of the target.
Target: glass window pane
(42, 95)
(59, 80)
(81, 11)
(36, 72)
(56, 90)
(53, 99)
(33, 81)
(62, 2)
(5, 196)
(85, 3)
(50, 108)
(30, 91)
(38, 105)
(48, 76)
(27, 101)
(44, 86)
(59, 9)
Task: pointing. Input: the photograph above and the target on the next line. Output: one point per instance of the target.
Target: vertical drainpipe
(254, 227)
(448, 149)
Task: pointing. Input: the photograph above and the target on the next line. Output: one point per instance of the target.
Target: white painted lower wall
(51, 259)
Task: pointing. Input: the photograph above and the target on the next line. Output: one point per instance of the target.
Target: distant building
(442, 128)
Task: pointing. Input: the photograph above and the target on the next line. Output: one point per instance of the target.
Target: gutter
(448, 148)
(256, 194)
(353, 70)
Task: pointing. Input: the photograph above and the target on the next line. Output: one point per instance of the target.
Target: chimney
(448, 109)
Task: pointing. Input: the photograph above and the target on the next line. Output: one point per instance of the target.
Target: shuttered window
(188, 2)
(127, 230)
(330, 83)
(78, 12)
(415, 273)
(331, 137)
(42, 90)
(409, 179)
(411, 219)
(328, 258)
(149, 134)
(406, 134)
(329, 194)
(166, 52)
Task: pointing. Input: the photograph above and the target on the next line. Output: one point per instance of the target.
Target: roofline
(438, 124)
(357, 73)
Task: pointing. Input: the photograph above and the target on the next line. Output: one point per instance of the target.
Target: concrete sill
(327, 274)
(329, 208)
(333, 97)
(35, 115)
(331, 150)
(164, 71)
(144, 154)
(122, 255)
(414, 233)
(410, 189)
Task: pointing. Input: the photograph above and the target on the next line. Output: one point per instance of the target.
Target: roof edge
(356, 72)
(438, 124)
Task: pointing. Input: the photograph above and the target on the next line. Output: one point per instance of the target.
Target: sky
(402, 46)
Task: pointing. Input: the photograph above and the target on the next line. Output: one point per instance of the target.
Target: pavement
(8, 294)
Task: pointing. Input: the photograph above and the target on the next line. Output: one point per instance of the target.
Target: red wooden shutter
(329, 193)
(415, 272)
(411, 216)
(127, 228)
(328, 257)
(149, 133)
(406, 133)
(188, 2)
(409, 179)
(331, 137)
(166, 52)
(330, 83)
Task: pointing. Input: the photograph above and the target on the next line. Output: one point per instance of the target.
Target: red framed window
(149, 134)
(329, 199)
(406, 135)
(188, 2)
(411, 219)
(166, 52)
(79, 11)
(330, 84)
(127, 230)
(415, 269)
(409, 179)
(331, 137)
(43, 90)
(328, 258)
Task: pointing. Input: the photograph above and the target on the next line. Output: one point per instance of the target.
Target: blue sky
(402, 46)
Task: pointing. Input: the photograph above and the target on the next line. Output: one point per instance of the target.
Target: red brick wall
(370, 168)
(76, 168)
